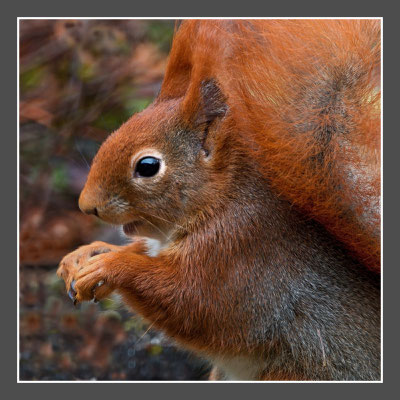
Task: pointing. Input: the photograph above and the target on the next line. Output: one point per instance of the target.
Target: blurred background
(79, 80)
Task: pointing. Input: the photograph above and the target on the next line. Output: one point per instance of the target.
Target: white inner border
(182, 18)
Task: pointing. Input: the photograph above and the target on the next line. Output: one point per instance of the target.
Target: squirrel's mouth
(132, 228)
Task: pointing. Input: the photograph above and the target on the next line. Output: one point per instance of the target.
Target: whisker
(155, 227)
(162, 219)
(83, 157)
(141, 337)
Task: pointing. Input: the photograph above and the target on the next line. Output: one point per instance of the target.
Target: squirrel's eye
(147, 167)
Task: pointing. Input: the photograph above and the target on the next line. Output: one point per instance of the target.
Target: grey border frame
(118, 8)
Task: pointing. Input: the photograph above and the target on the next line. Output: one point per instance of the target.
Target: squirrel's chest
(154, 246)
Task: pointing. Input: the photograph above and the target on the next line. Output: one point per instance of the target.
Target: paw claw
(72, 293)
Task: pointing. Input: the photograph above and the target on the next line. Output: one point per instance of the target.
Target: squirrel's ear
(201, 107)
(212, 102)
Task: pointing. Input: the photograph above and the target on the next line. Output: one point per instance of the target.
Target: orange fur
(270, 133)
(288, 82)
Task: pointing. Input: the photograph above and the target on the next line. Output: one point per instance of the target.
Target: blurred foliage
(79, 80)
(160, 34)
(92, 342)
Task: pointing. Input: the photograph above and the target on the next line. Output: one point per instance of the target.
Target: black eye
(147, 167)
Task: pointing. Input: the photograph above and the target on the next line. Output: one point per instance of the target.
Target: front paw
(95, 280)
(74, 262)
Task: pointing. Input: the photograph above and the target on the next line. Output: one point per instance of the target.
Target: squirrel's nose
(86, 205)
(89, 211)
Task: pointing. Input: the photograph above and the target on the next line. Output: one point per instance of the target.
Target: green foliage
(86, 72)
(56, 286)
(31, 78)
(161, 33)
(136, 324)
(155, 349)
(111, 119)
(109, 304)
(135, 105)
(59, 178)
(111, 314)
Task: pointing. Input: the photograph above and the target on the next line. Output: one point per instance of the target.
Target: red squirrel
(250, 189)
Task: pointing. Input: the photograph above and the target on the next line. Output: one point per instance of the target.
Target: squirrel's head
(160, 166)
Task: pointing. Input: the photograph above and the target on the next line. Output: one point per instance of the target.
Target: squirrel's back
(305, 96)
